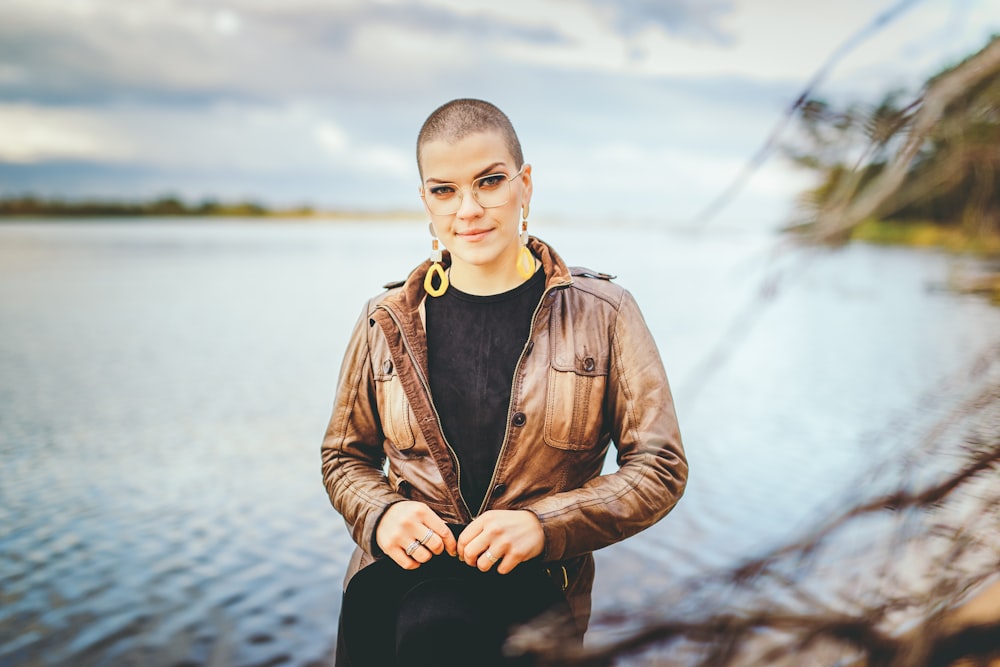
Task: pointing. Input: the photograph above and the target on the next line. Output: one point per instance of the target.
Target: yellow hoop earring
(525, 263)
(435, 270)
(525, 260)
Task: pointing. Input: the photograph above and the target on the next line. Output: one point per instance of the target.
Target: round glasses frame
(450, 196)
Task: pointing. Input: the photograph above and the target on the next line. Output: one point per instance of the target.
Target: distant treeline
(39, 207)
(164, 206)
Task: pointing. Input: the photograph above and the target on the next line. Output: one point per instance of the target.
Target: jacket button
(588, 364)
(387, 366)
(519, 419)
(531, 346)
(499, 489)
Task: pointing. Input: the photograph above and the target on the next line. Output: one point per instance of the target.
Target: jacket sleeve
(652, 472)
(352, 453)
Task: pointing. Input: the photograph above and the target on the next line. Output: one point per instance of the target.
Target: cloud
(381, 160)
(331, 138)
(260, 139)
(31, 134)
(303, 96)
(693, 19)
(254, 49)
(226, 22)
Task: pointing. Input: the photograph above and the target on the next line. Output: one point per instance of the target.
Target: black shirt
(473, 346)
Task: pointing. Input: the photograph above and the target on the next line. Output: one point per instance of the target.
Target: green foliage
(926, 234)
(954, 180)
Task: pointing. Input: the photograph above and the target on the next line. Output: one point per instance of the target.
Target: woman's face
(478, 238)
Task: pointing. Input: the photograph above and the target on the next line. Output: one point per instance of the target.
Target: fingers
(443, 532)
(411, 534)
(501, 538)
(489, 559)
(487, 550)
(471, 532)
(422, 553)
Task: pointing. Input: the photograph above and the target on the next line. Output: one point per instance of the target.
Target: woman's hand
(411, 533)
(507, 537)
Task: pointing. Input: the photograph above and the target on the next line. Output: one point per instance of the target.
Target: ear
(526, 184)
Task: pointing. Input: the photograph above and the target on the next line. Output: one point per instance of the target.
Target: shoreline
(277, 215)
(927, 234)
(33, 207)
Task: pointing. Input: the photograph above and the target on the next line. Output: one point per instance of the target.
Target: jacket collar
(408, 303)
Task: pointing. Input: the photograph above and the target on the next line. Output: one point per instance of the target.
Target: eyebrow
(492, 169)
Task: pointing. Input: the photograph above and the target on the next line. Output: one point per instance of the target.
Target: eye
(443, 191)
(491, 182)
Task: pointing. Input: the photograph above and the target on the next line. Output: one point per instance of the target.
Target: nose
(470, 207)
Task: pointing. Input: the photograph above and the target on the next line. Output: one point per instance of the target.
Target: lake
(164, 387)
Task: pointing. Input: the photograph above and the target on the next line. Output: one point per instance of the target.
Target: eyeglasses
(489, 191)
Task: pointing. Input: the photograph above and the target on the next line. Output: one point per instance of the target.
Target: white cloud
(226, 22)
(248, 138)
(382, 160)
(392, 50)
(590, 46)
(31, 134)
(331, 138)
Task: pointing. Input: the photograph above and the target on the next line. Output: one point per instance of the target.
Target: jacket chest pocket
(393, 408)
(574, 405)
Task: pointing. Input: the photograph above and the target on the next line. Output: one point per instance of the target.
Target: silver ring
(413, 547)
(491, 556)
(423, 540)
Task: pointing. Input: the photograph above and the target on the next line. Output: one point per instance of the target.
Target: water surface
(164, 387)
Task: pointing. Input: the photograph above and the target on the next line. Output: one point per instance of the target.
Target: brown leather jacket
(589, 374)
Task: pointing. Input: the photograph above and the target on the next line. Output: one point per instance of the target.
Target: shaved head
(457, 119)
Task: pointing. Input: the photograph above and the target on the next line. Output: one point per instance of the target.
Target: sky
(643, 110)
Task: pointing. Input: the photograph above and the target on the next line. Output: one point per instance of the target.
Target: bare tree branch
(941, 92)
(758, 158)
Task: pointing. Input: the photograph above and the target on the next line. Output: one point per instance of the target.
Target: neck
(484, 281)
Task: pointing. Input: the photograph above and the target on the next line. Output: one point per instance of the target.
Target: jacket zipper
(510, 404)
(426, 385)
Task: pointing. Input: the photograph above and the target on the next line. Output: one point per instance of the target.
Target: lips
(473, 234)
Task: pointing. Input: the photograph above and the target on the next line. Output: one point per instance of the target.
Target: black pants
(442, 614)
(428, 641)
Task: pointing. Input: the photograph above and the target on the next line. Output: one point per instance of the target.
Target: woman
(492, 380)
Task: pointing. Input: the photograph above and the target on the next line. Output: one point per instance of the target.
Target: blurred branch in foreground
(881, 21)
(885, 582)
(935, 160)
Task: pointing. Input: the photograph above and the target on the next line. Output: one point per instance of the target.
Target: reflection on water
(164, 387)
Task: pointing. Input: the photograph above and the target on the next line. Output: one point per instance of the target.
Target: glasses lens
(492, 190)
(443, 199)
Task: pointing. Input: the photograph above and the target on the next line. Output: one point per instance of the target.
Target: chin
(481, 254)
(478, 259)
